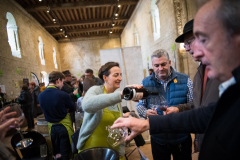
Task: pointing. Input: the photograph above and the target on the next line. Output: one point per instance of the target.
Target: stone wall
(28, 32)
(81, 54)
(169, 25)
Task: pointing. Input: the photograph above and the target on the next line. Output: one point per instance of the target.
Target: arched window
(136, 38)
(41, 54)
(54, 58)
(155, 20)
(13, 35)
(44, 77)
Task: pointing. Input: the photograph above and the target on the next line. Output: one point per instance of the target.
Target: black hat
(187, 28)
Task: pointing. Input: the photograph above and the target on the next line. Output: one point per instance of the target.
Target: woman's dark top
(25, 99)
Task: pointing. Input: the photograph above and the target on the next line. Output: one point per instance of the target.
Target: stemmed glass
(24, 142)
(163, 104)
(116, 136)
(153, 103)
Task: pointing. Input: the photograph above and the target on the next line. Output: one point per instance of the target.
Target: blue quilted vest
(175, 94)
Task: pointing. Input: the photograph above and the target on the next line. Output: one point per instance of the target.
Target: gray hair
(228, 13)
(159, 53)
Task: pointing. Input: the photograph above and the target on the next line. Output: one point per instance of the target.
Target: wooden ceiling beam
(104, 35)
(95, 29)
(84, 22)
(74, 5)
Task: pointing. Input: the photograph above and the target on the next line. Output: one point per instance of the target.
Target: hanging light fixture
(113, 24)
(66, 35)
(110, 31)
(116, 14)
(119, 6)
(54, 19)
(60, 29)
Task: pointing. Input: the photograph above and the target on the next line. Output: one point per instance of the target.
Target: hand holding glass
(25, 142)
(116, 136)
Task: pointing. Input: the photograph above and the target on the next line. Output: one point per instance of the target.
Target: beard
(162, 75)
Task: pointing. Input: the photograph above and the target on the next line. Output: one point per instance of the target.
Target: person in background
(87, 83)
(42, 88)
(74, 83)
(55, 105)
(101, 105)
(2, 99)
(25, 99)
(68, 88)
(82, 78)
(89, 74)
(176, 88)
(150, 71)
(80, 83)
(35, 90)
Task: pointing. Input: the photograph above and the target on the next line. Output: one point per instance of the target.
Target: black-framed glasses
(189, 42)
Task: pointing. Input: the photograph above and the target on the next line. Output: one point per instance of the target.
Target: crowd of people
(208, 106)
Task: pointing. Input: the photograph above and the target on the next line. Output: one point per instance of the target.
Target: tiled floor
(146, 149)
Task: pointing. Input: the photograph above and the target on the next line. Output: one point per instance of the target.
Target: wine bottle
(134, 94)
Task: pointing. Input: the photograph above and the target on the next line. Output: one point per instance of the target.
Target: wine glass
(163, 104)
(153, 103)
(24, 142)
(116, 136)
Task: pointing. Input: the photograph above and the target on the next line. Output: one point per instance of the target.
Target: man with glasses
(205, 90)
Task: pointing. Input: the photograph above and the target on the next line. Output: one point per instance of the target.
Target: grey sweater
(93, 104)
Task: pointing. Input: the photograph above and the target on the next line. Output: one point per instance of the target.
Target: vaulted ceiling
(69, 19)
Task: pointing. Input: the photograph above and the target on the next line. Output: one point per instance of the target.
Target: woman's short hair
(105, 69)
(54, 76)
(88, 83)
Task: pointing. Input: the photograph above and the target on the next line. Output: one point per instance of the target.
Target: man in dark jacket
(205, 90)
(35, 90)
(216, 28)
(69, 90)
(89, 74)
(25, 99)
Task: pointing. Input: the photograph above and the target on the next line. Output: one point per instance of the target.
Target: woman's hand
(135, 86)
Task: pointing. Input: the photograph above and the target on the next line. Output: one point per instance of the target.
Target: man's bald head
(216, 44)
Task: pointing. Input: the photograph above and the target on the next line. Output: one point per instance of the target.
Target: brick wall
(28, 31)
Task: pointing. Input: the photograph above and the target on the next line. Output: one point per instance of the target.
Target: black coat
(219, 122)
(69, 90)
(211, 95)
(25, 99)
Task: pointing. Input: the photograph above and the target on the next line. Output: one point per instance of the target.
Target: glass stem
(19, 130)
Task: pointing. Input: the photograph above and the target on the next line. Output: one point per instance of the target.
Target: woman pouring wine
(102, 108)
